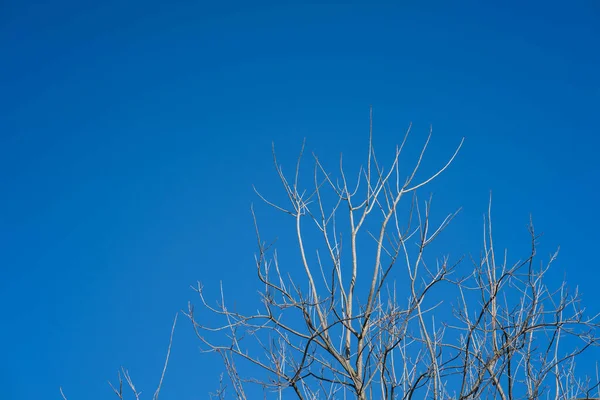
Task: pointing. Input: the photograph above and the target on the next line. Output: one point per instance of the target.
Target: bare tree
(368, 311)
(119, 390)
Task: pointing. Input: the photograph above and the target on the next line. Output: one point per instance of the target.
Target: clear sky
(131, 133)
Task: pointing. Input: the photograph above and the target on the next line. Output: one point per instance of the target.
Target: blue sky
(131, 133)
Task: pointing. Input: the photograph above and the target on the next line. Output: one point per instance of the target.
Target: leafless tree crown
(368, 312)
(382, 320)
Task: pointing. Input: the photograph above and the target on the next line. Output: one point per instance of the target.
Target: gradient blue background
(131, 133)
